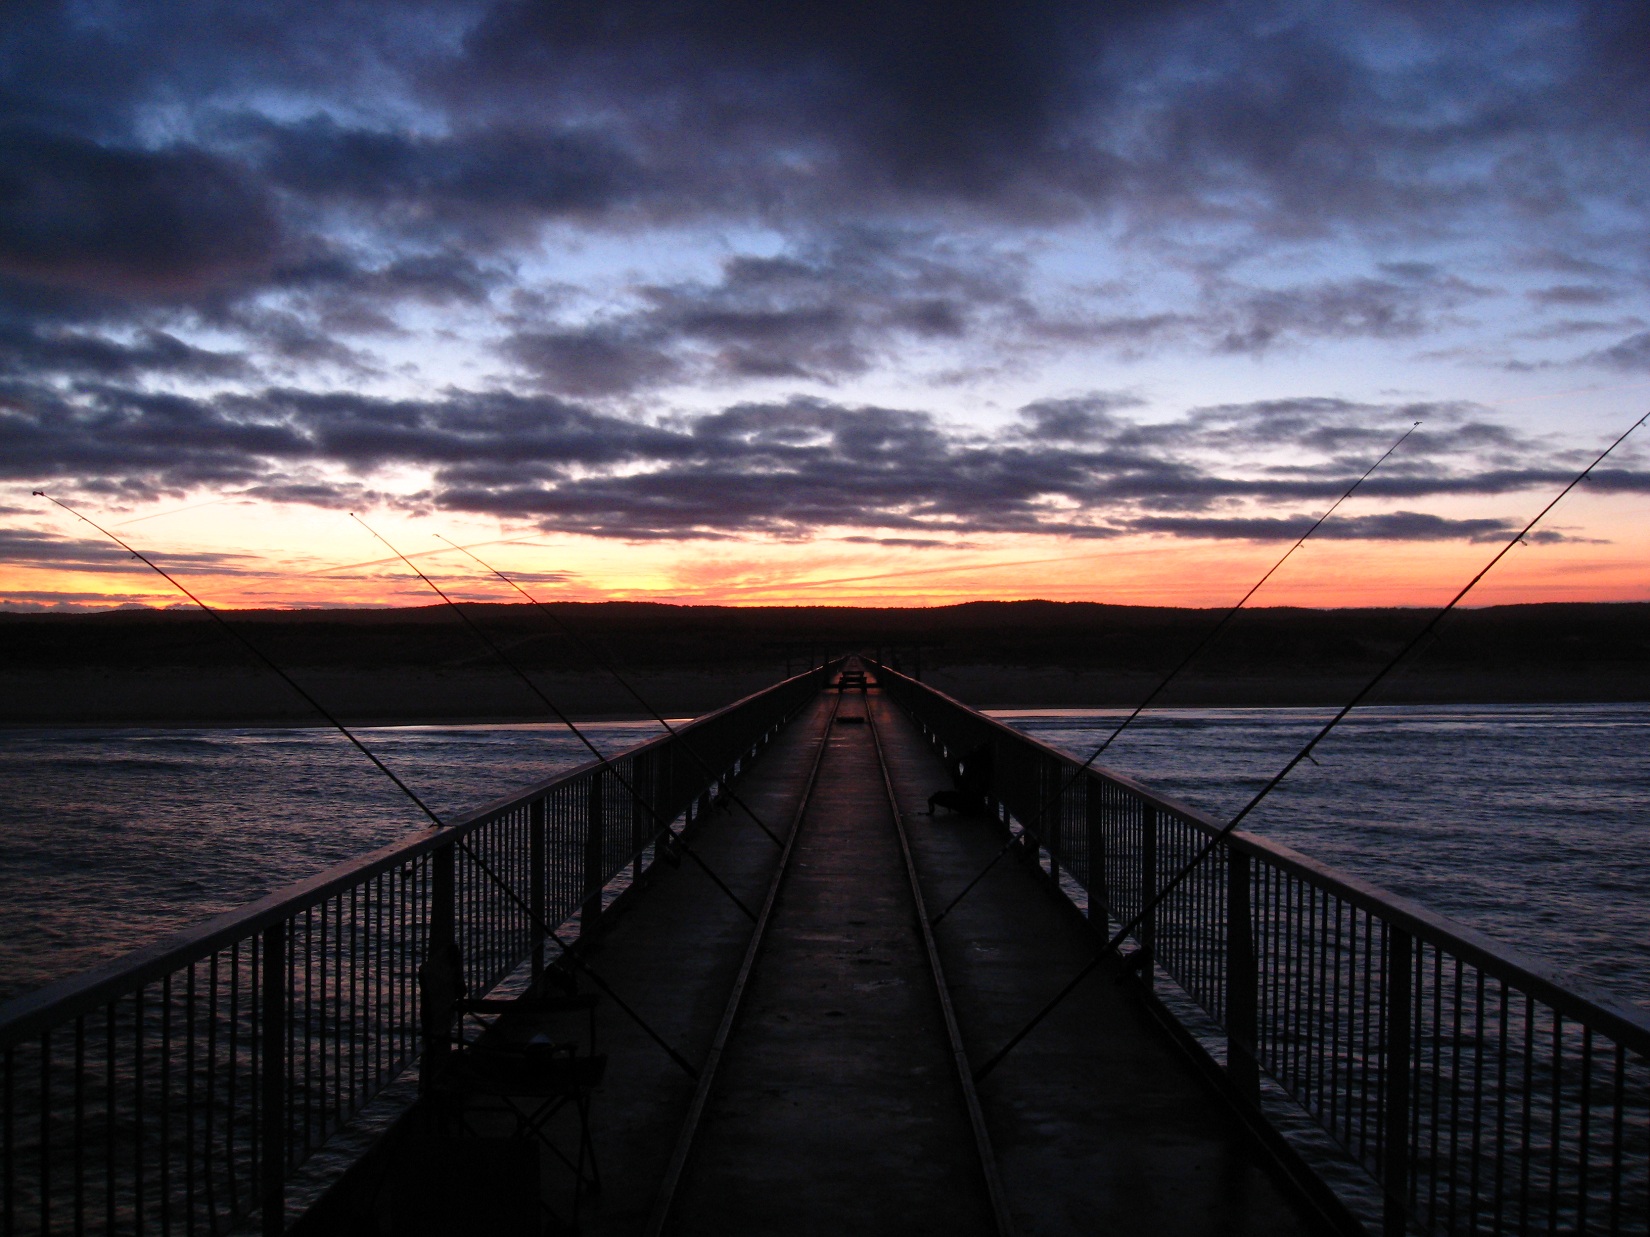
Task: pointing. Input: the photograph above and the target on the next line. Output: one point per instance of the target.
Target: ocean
(1528, 822)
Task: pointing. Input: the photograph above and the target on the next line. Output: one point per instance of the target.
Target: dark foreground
(837, 1106)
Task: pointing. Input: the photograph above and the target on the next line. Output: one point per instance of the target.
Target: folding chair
(518, 1070)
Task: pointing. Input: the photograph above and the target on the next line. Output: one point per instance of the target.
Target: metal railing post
(535, 882)
(1148, 891)
(1241, 979)
(272, 1175)
(641, 774)
(1397, 978)
(1099, 900)
(1053, 815)
(594, 878)
(443, 936)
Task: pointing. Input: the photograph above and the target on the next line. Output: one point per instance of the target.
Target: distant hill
(1020, 653)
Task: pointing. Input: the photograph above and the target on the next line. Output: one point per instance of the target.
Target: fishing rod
(1163, 683)
(1304, 753)
(594, 655)
(661, 826)
(536, 920)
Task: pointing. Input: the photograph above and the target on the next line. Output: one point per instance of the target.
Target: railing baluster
(1147, 932)
(535, 883)
(1396, 979)
(1241, 979)
(272, 1175)
(594, 873)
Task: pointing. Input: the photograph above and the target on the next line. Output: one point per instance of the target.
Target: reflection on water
(1529, 822)
(113, 836)
(1526, 821)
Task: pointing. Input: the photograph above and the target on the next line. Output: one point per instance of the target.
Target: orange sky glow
(240, 555)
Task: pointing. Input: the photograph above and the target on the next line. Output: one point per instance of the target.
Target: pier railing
(176, 1090)
(1480, 1093)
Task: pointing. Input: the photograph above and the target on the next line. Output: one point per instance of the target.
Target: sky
(852, 303)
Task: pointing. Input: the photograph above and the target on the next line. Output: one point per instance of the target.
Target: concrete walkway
(836, 1108)
(1099, 1123)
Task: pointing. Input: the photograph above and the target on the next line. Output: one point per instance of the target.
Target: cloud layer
(628, 269)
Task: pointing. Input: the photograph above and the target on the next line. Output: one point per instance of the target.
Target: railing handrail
(32, 1012)
(1630, 1028)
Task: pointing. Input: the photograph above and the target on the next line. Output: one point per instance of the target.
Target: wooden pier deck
(829, 1099)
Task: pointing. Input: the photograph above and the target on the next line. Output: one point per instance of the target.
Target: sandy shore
(196, 698)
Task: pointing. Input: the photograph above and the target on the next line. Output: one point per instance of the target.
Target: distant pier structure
(758, 975)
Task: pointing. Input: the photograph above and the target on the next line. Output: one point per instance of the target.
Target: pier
(707, 987)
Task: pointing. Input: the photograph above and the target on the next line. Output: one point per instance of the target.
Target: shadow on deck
(836, 1106)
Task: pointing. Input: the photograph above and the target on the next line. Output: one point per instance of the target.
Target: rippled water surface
(1529, 822)
(111, 837)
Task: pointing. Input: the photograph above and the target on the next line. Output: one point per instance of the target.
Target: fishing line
(594, 655)
(661, 825)
(462, 844)
(1305, 752)
(1208, 639)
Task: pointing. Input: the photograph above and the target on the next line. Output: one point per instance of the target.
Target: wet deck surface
(836, 1107)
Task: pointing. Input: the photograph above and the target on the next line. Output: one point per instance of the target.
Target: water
(1528, 822)
(114, 836)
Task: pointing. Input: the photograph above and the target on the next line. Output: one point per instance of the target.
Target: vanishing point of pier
(757, 976)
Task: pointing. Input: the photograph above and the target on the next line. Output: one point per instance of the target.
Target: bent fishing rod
(661, 826)
(1304, 753)
(595, 656)
(1163, 683)
(537, 921)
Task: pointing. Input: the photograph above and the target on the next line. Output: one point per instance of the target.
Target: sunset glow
(897, 306)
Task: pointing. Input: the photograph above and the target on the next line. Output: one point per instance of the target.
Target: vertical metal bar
(138, 1139)
(46, 1131)
(8, 1145)
(443, 910)
(1554, 1134)
(1099, 901)
(644, 797)
(590, 921)
(1477, 1152)
(1395, 1044)
(231, 1103)
(1617, 1137)
(1147, 934)
(535, 882)
(272, 1175)
(189, 1108)
(80, 1125)
(211, 1094)
(1241, 978)
(165, 1097)
(1496, 1189)
(1584, 1136)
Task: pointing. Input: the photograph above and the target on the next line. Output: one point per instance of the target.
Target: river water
(1527, 822)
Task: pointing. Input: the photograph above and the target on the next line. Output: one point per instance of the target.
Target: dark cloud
(469, 181)
(39, 349)
(1572, 294)
(1390, 526)
(793, 468)
(1075, 419)
(141, 222)
(1632, 353)
(26, 547)
(1401, 304)
(826, 312)
(219, 224)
